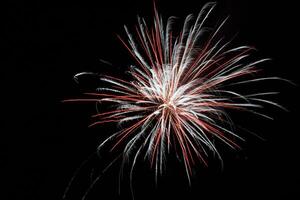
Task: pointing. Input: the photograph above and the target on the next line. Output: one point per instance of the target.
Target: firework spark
(177, 94)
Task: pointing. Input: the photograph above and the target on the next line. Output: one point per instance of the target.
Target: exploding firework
(177, 96)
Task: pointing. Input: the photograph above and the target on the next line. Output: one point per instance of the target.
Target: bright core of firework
(177, 97)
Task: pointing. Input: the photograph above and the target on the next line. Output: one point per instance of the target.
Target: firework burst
(177, 97)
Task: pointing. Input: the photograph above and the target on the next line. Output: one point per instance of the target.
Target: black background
(44, 140)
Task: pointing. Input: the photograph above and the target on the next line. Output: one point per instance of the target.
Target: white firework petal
(130, 118)
(270, 102)
(261, 79)
(111, 90)
(261, 94)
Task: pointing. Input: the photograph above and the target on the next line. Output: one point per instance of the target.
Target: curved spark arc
(176, 95)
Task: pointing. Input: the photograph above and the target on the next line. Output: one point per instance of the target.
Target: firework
(177, 96)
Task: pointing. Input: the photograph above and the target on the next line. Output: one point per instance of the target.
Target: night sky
(44, 140)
